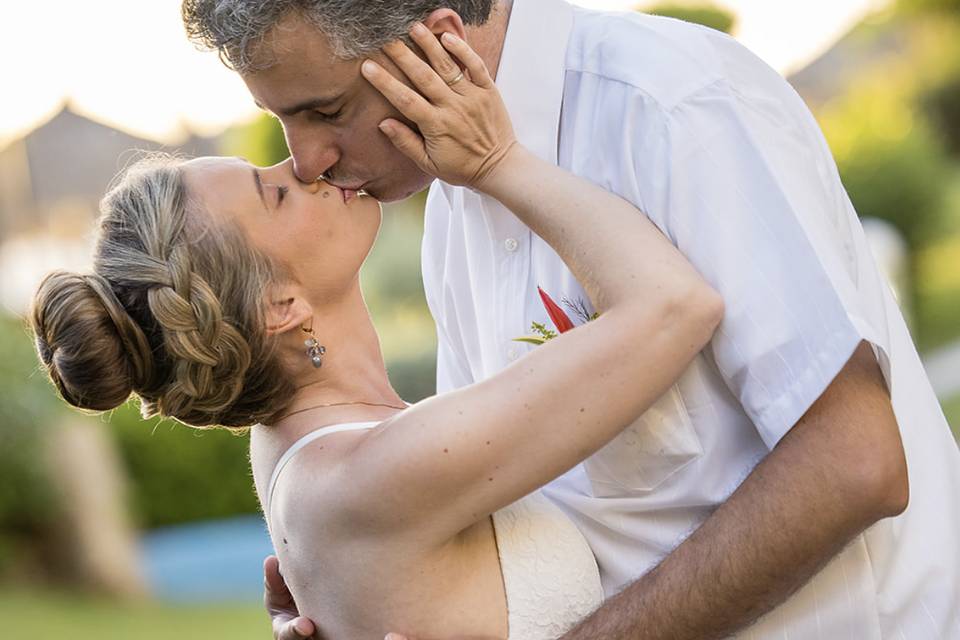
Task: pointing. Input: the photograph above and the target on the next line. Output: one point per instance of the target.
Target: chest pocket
(655, 446)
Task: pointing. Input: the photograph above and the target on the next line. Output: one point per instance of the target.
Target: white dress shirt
(720, 152)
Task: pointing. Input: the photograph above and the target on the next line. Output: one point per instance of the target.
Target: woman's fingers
(469, 58)
(407, 101)
(408, 143)
(445, 67)
(424, 78)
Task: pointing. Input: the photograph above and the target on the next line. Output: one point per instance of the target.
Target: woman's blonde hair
(174, 312)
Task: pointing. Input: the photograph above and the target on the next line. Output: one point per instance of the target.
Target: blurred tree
(706, 14)
(29, 507)
(892, 165)
(892, 125)
(942, 103)
(951, 6)
(260, 141)
(180, 474)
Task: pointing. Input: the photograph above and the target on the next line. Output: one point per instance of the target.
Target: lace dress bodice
(549, 572)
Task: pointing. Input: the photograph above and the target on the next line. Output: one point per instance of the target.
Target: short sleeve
(748, 191)
(453, 369)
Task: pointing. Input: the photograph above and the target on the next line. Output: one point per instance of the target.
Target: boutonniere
(559, 317)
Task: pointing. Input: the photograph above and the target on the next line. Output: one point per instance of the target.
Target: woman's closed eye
(281, 193)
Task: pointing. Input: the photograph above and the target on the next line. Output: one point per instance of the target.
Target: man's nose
(312, 159)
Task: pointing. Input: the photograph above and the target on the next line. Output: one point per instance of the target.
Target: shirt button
(511, 244)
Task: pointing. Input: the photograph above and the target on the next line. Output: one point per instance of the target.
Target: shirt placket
(510, 245)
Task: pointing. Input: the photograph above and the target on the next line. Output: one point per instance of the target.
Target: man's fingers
(276, 595)
(469, 58)
(407, 101)
(272, 580)
(408, 143)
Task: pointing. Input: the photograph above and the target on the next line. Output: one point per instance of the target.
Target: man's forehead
(303, 74)
(296, 44)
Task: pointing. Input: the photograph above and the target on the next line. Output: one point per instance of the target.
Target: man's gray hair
(237, 29)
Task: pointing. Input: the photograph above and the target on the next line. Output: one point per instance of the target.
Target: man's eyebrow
(259, 183)
(307, 105)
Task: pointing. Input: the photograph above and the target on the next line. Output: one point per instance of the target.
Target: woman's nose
(287, 169)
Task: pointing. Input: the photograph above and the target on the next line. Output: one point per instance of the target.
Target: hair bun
(94, 352)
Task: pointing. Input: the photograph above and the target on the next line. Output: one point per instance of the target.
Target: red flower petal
(560, 319)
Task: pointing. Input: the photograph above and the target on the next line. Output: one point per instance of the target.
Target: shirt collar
(532, 70)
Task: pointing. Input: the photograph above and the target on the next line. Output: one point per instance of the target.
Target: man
(767, 493)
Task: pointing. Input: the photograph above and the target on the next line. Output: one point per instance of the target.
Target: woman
(225, 294)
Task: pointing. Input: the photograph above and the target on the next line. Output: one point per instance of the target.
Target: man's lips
(348, 193)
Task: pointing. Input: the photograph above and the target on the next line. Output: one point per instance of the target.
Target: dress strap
(300, 444)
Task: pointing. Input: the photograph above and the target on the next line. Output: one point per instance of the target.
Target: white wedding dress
(549, 572)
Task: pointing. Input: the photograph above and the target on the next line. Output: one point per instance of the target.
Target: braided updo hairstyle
(173, 312)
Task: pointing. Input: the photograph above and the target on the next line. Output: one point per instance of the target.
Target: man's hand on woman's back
(287, 622)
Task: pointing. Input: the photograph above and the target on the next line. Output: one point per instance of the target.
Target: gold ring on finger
(459, 77)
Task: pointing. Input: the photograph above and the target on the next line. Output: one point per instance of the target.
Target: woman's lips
(348, 194)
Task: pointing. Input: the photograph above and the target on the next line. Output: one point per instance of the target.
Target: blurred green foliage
(891, 161)
(180, 474)
(923, 6)
(952, 410)
(706, 14)
(942, 104)
(894, 134)
(28, 412)
(260, 141)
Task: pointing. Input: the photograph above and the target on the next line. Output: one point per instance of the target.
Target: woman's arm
(450, 460)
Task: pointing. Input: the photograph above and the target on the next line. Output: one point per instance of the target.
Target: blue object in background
(208, 562)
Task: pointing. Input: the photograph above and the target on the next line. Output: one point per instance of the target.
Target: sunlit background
(115, 528)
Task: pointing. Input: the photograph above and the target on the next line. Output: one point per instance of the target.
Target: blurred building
(51, 183)
(65, 165)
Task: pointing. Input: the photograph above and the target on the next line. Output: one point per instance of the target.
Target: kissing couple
(738, 440)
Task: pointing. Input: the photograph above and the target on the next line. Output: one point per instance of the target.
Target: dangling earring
(315, 350)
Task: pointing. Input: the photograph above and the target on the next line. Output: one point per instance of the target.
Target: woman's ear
(286, 309)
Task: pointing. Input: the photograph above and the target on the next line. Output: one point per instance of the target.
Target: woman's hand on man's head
(464, 131)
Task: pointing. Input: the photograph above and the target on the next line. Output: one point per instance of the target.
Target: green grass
(49, 616)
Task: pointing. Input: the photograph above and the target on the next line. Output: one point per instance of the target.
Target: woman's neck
(353, 369)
